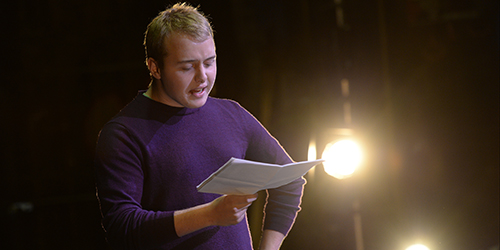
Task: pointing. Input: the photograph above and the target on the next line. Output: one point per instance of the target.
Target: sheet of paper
(240, 176)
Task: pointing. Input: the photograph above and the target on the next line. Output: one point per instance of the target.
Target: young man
(153, 154)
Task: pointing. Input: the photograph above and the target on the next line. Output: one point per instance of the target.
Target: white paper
(238, 176)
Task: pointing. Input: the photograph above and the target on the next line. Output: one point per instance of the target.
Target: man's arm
(271, 240)
(223, 211)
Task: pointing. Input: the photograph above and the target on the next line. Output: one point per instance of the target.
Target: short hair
(181, 19)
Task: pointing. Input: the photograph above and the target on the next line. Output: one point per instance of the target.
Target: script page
(240, 176)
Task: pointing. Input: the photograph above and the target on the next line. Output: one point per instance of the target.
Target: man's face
(188, 72)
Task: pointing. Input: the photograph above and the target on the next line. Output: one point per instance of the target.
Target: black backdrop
(424, 95)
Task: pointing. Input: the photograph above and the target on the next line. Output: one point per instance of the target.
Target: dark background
(424, 89)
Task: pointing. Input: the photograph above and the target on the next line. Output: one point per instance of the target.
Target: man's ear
(154, 68)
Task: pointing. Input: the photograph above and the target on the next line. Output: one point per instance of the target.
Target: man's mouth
(198, 92)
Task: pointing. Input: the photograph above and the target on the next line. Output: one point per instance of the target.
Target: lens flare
(342, 158)
(417, 247)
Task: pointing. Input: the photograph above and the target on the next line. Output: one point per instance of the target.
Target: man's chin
(196, 103)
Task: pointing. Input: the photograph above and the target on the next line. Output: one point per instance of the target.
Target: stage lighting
(341, 158)
(417, 247)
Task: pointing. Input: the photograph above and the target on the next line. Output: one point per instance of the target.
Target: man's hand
(230, 209)
(223, 211)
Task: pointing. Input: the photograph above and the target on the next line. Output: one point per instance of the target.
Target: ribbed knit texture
(151, 157)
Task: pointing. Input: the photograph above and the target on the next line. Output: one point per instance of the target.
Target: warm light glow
(311, 156)
(417, 247)
(311, 152)
(341, 158)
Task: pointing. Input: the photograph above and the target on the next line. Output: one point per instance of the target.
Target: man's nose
(201, 74)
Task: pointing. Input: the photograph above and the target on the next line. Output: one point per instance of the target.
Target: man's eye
(209, 63)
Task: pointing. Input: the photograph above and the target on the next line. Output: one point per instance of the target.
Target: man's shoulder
(228, 109)
(221, 101)
(141, 114)
(218, 102)
(128, 113)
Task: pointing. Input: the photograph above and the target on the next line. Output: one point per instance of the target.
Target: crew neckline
(179, 110)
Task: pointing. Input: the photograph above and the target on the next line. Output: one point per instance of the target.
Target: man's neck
(148, 93)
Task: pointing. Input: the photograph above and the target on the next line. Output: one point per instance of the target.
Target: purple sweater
(151, 156)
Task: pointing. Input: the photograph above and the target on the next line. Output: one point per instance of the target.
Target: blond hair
(180, 18)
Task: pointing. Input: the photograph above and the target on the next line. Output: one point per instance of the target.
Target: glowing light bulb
(417, 247)
(342, 158)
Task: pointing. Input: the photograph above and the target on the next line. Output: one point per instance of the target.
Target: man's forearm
(223, 211)
(271, 240)
(192, 219)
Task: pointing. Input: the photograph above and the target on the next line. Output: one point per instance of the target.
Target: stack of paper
(239, 176)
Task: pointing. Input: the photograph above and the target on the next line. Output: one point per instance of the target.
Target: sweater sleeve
(119, 184)
(283, 203)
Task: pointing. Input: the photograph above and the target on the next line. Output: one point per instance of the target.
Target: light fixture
(342, 158)
(417, 247)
